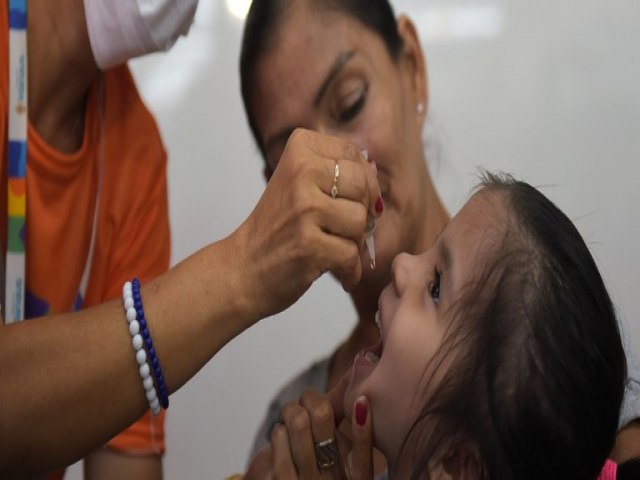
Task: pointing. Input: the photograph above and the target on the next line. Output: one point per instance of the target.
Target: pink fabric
(609, 471)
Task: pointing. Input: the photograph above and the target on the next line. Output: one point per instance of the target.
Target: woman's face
(329, 73)
(397, 375)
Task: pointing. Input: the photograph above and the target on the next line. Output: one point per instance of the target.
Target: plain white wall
(546, 90)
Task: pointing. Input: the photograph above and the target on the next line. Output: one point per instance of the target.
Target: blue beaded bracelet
(161, 387)
(141, 353)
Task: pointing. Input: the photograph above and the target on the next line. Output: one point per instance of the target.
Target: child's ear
(464, 462)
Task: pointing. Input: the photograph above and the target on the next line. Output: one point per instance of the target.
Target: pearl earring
(419, 108)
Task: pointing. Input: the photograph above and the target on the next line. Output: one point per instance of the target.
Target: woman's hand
(298, 231)
(296, 452)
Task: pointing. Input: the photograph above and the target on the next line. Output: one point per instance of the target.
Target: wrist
(230, 286)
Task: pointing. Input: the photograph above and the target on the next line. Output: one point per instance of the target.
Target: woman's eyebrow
(340, 61)
(283, 135)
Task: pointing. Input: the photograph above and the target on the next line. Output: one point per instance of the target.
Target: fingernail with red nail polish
(361, 411)
(379, 204)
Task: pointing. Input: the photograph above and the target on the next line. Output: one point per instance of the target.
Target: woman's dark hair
(539, 367)
(266, 16)
(629, 470)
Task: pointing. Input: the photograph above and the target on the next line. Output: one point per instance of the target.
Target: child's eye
(434, 289)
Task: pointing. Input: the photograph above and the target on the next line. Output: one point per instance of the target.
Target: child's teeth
(377, 320)
(372, 357)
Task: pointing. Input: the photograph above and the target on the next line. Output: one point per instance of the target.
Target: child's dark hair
(265, 17)
(539, 367)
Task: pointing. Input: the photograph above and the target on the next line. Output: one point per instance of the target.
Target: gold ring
(336, 174)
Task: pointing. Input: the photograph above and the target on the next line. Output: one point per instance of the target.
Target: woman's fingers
(296, 418)
(298, 231)
(355, 178)
(308, 445)
(344, 218)
(360, 459)
(261, 466)
(323, 432)
(283, 466)
(351, 180)
(336, 397)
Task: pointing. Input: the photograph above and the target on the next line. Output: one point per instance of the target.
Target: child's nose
(401, 270)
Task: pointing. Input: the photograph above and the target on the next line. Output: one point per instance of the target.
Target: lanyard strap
(14, 267)
(17, 163)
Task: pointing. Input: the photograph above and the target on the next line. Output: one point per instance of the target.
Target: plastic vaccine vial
(371, 247)
(370, 228)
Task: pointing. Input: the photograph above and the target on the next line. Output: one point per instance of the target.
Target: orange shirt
(122, 140)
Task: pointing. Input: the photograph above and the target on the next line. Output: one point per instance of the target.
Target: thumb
(360, 459)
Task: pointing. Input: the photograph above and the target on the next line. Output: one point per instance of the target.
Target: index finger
(336, 397)
(329, 146)
(339, 149)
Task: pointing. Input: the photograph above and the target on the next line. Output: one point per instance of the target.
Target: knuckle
(353, 258)
(303, 249)
(322, 413)
(360, 181)
(300, 202)
(351, 152)
(351, 274)
(300, 422)
(276, 431)
(297, 135)
(289, 410)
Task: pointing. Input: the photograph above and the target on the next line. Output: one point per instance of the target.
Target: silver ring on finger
(326, 453)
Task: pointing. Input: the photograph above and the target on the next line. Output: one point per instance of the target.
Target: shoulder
(129, 124)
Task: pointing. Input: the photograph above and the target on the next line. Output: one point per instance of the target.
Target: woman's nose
(323, 127)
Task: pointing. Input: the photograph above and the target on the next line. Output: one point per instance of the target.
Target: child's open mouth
(374, 352)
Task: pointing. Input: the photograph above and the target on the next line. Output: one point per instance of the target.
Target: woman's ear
(412, 59)
(464, 462)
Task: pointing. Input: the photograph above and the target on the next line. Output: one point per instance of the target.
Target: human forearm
(81, 366)
(62, 378)
(106, 464)
(71, 382)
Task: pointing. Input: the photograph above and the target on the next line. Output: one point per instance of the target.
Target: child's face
(414, 320)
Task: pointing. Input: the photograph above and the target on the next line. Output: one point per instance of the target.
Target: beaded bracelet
(138, 345)
(148, 343)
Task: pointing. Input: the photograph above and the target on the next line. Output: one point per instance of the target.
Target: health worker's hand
(298, 231)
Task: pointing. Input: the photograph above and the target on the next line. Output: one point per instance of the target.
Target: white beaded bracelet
(138, 346)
